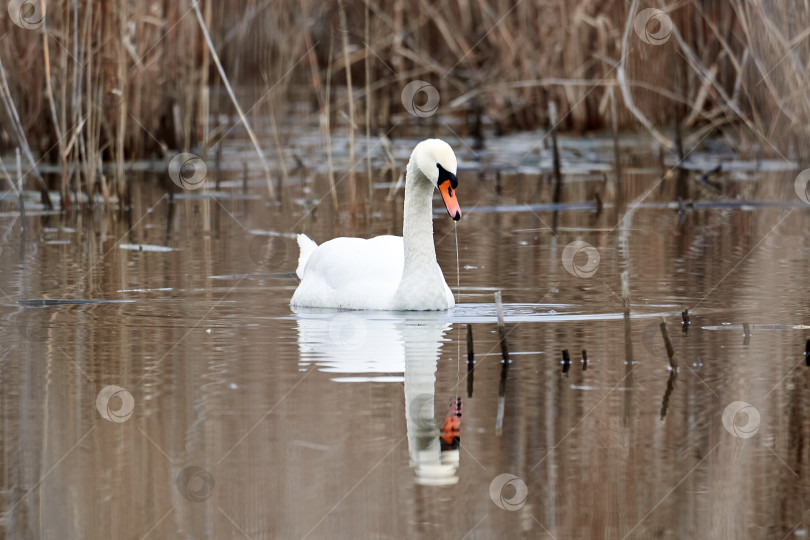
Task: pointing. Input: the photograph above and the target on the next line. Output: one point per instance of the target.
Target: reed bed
(91, 85)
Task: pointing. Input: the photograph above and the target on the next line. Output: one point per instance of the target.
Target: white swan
(387, 272)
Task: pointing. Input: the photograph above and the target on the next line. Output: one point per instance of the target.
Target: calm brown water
(235, 417)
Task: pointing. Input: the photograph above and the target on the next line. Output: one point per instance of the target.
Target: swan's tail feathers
(306, 246)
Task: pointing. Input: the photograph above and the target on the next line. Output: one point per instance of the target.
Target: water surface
(165, 389)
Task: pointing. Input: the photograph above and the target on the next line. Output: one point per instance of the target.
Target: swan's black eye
(444, 175)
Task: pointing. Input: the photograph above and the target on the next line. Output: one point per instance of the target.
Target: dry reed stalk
(227, 84)
(368, 102)
(279, 147)
(46, 61)
(325, 125)
(19, 132)
(345, 38)
(120, 139)
(501, 328)
(739, 67)
(621, 76)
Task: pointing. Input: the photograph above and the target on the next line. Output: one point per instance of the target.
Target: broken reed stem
(501, 398)
(668, 344)
(807, 353)
(470, 361)
(215, 58)
(470, 352)
(566, 363)
(673, 377)
(501, 327)
(626, 290)
(628, 333)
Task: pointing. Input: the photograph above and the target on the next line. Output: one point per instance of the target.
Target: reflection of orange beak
(450, 201)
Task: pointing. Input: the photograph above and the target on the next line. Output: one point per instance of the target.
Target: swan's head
(437, 162)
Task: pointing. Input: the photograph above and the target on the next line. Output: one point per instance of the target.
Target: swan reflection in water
(365, 346)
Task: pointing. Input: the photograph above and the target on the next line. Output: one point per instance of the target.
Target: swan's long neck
(422, 284)
(417, 227)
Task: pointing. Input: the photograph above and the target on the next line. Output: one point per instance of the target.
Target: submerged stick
(501, 398)
(566, 363)
(673, 376)
(704, 178)
(668, 344)
(807, 353)
(470, 351)
(626, 290)
(628, 332)
(501, 327)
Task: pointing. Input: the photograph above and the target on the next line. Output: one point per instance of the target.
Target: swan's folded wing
(352, 273)
(307, 247)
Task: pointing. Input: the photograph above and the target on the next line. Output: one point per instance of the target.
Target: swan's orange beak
(450, 201)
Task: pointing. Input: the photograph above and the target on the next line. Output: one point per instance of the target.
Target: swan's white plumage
(351, 273)
(306, 246)
(385, 272)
